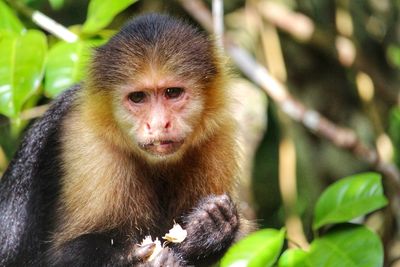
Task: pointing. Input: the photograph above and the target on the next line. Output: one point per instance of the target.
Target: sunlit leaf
(22, 60)
(102, 12)
(261, 248)
(8, 20)
(294, 258)
(66, 65)
(349, 198)
(347, 246)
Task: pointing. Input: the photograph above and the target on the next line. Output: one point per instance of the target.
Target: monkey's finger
(224, 224)
(227, 208)
(143, 252)
(160, 260)
(172, 261)
(208, 219)
(215, 214)
(224, 202)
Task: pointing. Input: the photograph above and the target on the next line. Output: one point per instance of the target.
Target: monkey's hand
(140, 253)
(165, 258)
(96, 250)
(211, 228)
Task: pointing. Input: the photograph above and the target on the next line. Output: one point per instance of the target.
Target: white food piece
(176, 234)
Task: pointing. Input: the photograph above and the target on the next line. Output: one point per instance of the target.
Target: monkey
(146, 139)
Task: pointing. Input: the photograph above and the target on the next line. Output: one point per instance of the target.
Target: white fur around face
(183, 116)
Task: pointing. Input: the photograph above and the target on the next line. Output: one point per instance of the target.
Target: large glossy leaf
(261, 248)
(347, 246)
(66, 65)
(349, 198)
(8, 20)
(22, 60)
(102, 12)
(294, 258)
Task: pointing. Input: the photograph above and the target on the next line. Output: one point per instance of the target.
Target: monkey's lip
(162, 147)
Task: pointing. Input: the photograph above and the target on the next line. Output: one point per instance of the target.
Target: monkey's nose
(159, 126)
(148, 127)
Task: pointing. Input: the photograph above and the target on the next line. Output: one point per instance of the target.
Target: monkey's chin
(162, 149)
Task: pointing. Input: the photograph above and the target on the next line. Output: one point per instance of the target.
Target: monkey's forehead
(156, 42)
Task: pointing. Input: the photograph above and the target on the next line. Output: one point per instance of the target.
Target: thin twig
(288, 189)
(34, 112)
(218, 20)
(45, 22)
(3, 161)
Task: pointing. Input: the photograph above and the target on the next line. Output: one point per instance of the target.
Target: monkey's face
(164, 77)
(160, 115)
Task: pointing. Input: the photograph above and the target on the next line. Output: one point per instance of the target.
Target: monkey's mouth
(162, 147)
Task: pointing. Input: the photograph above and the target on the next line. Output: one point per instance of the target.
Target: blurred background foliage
(338, 57)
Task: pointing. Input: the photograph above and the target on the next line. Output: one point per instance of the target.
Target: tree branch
(44, 22)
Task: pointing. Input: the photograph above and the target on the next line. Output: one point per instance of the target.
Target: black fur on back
(29, 186)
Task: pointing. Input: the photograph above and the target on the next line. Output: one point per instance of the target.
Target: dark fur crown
(160, 40)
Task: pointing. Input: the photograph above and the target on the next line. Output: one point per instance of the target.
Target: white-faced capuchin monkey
(146, 139)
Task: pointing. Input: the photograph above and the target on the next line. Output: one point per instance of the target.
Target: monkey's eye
(173, 92)
(137, 97)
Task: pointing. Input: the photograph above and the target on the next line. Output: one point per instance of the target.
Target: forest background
(317, 97)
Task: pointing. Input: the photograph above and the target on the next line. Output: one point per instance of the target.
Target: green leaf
(22, 60)
(102, 12)
(294, 258)
(349, 198)
(394, 132)
(393, 55)
(66, 65)
(8, 20)
(347, 246)
(56, 4)
(261, 248)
